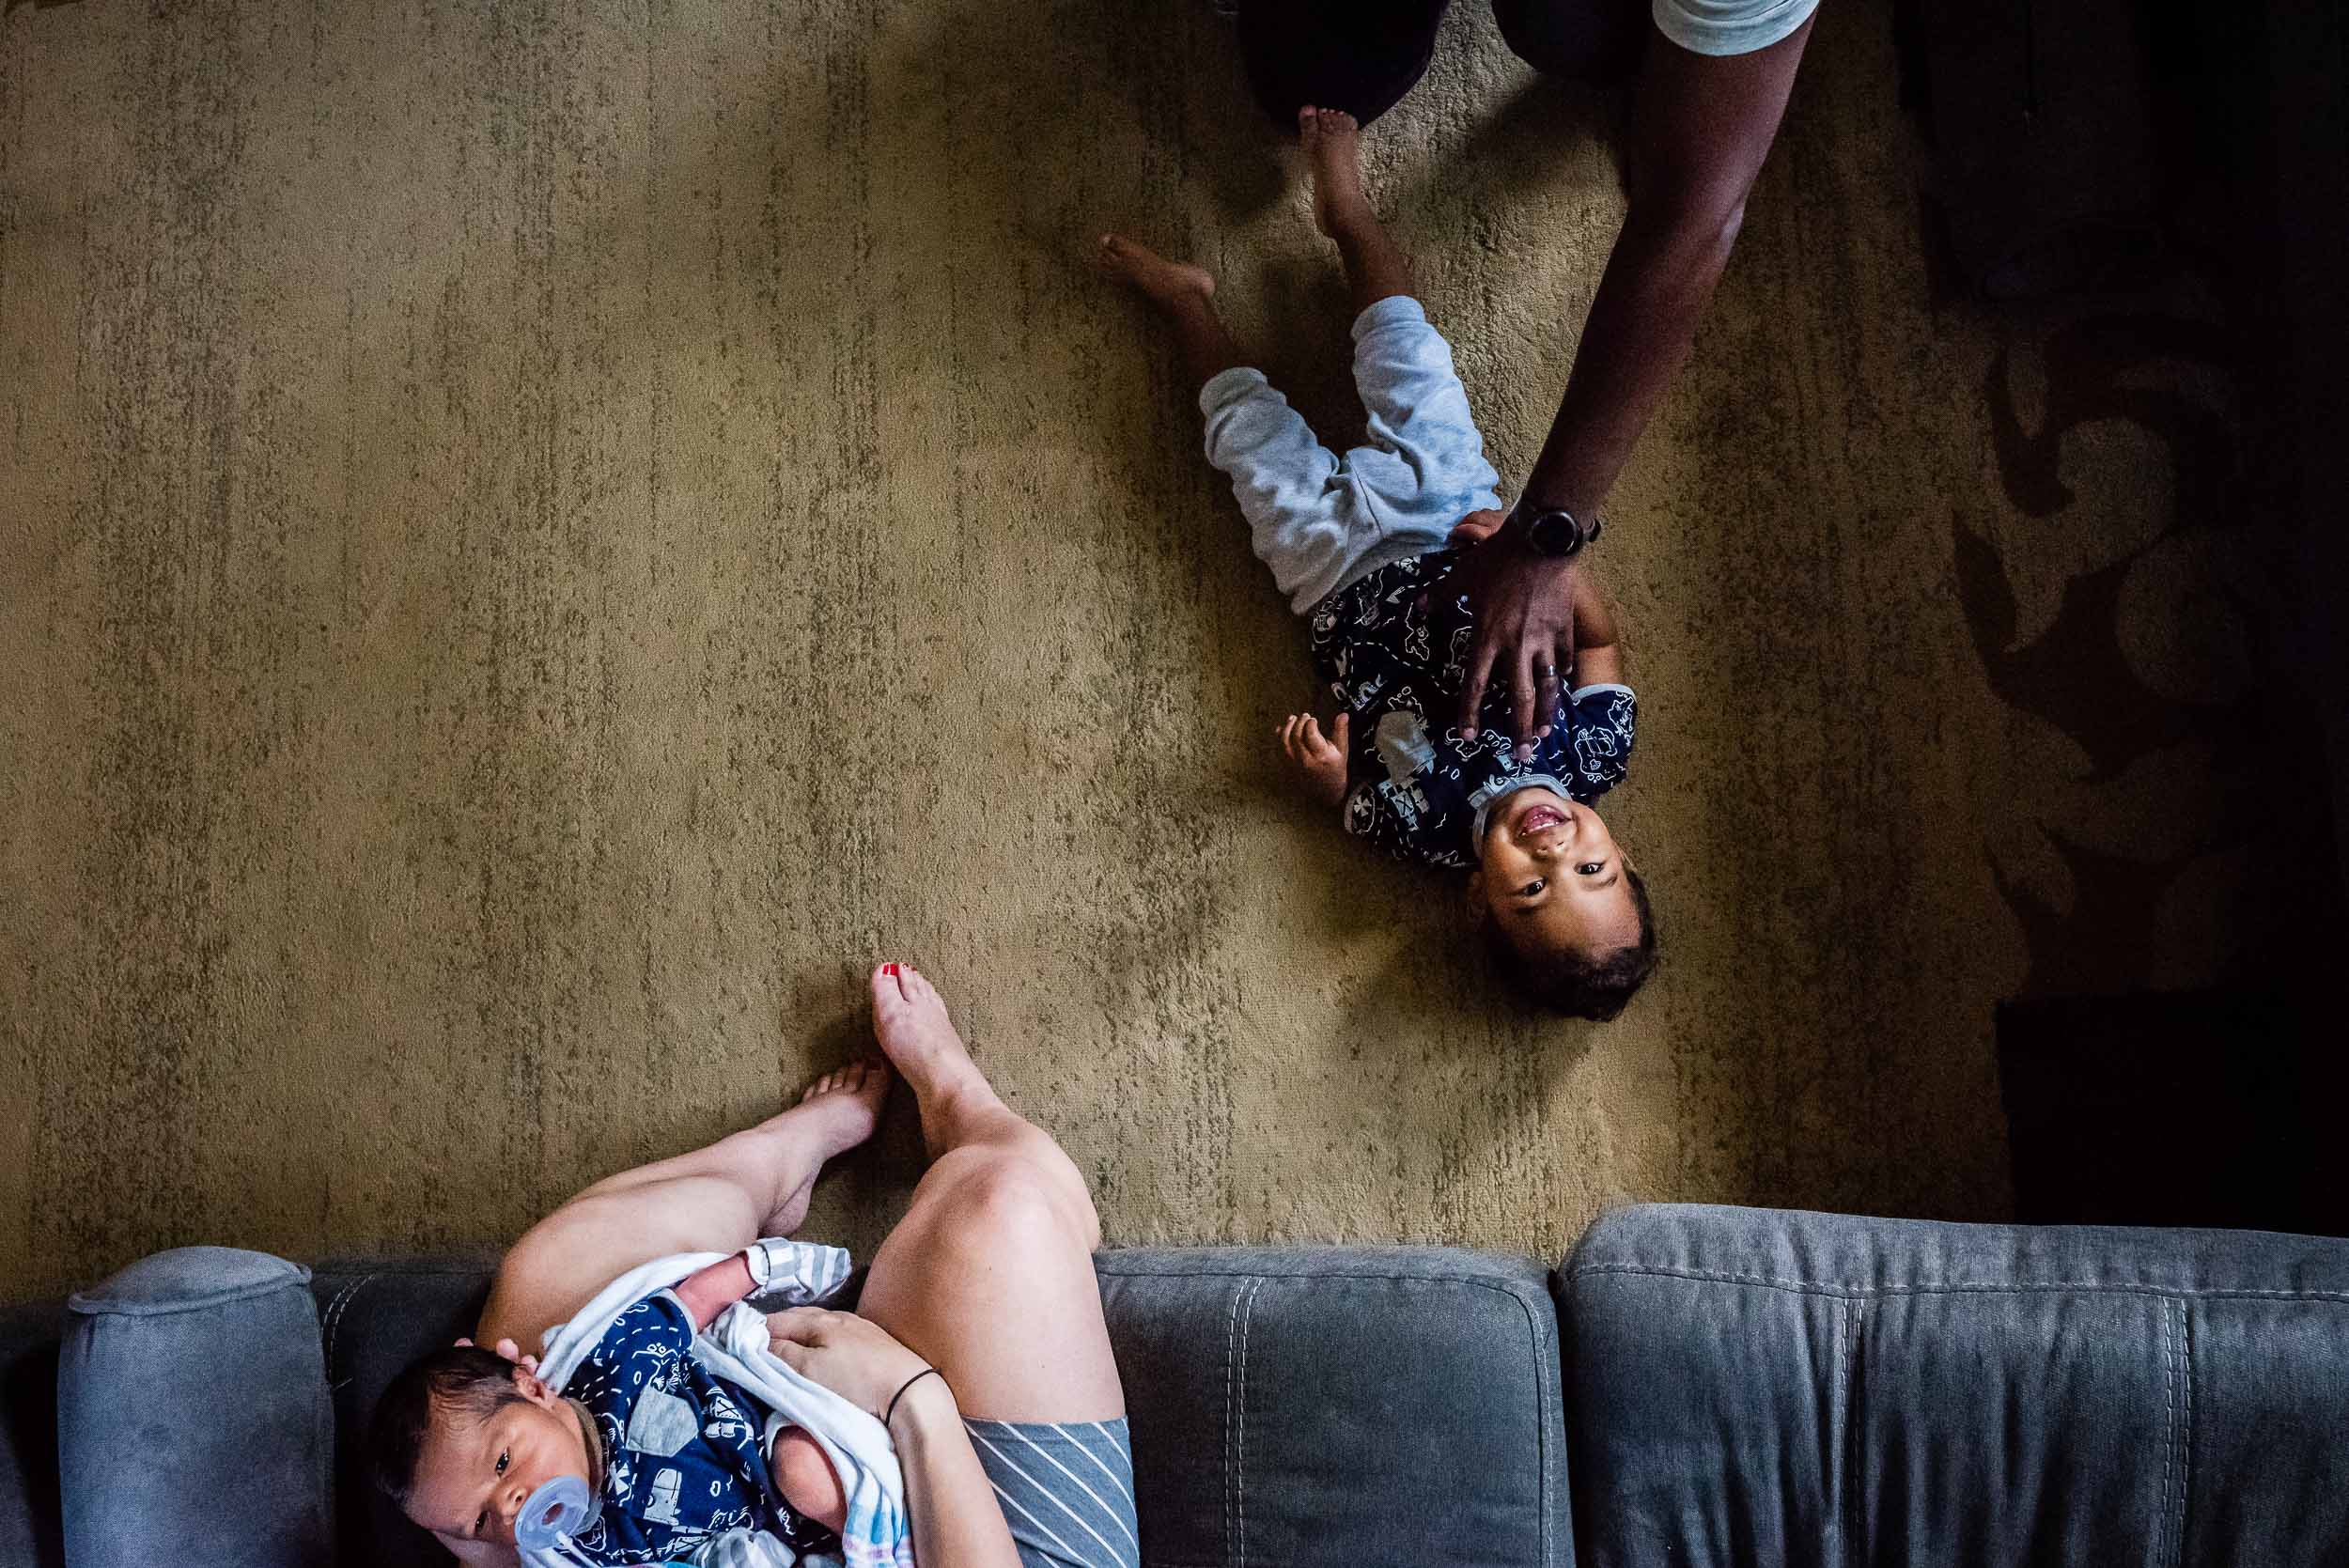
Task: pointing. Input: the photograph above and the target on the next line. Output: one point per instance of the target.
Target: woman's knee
(1022, 1199)
(1580, 41)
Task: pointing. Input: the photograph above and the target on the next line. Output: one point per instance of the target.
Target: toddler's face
(476, 1473)
(1553, 878)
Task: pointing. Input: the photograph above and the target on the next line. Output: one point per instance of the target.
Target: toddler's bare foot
(836, 1113)
(1333, 154)
(1165, 283)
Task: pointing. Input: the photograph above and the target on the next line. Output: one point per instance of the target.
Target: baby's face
(1553, 878)
(475, 1474)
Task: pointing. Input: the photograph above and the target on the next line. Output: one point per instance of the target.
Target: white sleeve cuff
(1729, 27)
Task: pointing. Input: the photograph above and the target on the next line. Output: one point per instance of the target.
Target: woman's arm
(957, 1521)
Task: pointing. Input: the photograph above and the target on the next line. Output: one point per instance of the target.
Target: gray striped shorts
(1068, 1492)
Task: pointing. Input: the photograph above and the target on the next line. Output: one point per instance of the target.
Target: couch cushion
(375, 1316)
(29, 1506)
(1340, 1405)
(1749, 1385)
(193, 1422)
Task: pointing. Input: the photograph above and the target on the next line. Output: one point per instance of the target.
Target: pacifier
(551, 1516)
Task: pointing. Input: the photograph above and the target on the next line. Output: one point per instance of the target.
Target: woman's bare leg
(989, 1276)
(720, 1199)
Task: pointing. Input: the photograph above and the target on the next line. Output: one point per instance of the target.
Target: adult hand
(1321, 759)
(853, 1357)
(1475, 528)
(512, 1352)
(1524, 609)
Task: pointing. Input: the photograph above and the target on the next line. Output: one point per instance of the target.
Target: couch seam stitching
(1846, 1288)
(2169, 1423)
(2186, 1424)
(1248, 1312)
(335, 1317)
(1851, 1434)
(1230, 1342)
(1843, 1413)
(1541, 1409)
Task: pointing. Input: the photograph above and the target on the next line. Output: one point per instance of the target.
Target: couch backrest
(192, 1415)
(1291, 1405)
(375, 1317)
(1752, 1386)
(1341, 1406)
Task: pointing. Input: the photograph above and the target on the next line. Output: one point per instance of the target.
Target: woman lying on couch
(978, 1341)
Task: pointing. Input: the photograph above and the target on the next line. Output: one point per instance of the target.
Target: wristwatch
(1553, 532)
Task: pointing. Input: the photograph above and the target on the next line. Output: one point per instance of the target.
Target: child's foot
(836, 1113)
(1165, 283)
(1333, 154)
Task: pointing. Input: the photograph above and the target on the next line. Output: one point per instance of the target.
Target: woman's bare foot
(836, 1113)
(909, 1020)
(1333, 154)
(1167, 285)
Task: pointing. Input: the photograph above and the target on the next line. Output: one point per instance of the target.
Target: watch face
(1555, 534)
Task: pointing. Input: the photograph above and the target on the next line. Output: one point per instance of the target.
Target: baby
(1365, 545)
(674, 1456)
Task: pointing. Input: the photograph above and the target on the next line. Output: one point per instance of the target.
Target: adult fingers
(1480, 673)
(1523, 689)
(790, 1351)
(800, 1326)
(1339, 728)
(1545, 692)
(1311, 735)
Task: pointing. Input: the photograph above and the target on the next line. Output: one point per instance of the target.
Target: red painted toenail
(888, 969)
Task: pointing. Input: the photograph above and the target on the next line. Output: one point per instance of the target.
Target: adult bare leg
(721, 1199)
(989, 1276)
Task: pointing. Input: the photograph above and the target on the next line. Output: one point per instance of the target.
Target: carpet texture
(537, 540)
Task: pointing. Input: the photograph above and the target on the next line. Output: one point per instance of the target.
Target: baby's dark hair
(1580, 986)
(461, 1379)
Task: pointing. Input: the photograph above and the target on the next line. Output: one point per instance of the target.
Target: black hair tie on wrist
(925, 1371)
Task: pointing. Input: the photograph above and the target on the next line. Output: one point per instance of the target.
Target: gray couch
(1692, 1386)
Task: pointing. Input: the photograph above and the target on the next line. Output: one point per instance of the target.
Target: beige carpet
(538, 540)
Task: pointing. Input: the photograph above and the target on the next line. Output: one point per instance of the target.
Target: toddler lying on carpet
(1364, 545)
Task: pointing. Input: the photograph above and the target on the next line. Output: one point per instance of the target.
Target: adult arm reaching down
(1702, 124)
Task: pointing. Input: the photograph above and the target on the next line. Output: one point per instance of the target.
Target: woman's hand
(853, 1357)
(1321, 759)
(514, 1352)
